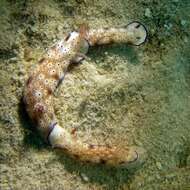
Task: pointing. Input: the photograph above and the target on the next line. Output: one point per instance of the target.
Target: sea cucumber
(45, 78)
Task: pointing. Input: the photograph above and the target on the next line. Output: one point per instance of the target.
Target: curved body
(45, 78)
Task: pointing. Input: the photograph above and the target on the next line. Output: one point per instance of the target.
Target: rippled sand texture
(121, 95)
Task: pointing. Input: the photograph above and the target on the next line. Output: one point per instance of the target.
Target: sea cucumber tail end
(138, 33)
(134, 33)
(129, 157)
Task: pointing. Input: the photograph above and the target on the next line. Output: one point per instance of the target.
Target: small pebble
(33, 29)
(84, 177)
(59, 28)
(183, 22)
(13, 59)
(186, 40)
(148, 13)
(159, 165)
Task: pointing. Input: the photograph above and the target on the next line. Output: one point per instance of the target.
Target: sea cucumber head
(70, 43)
(138, 32)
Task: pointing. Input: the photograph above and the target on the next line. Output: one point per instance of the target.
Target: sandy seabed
(121, 95)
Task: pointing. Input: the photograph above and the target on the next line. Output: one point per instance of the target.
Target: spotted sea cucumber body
(50, 70)
(38, 96)
(43, 81)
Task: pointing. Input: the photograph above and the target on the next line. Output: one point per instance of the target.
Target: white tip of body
(138, 31)
(73, 36)
(138, 156)
(55, 135)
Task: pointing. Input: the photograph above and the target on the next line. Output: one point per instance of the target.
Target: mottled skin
(46, 77)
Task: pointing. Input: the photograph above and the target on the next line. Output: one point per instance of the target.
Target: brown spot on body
(91, 146)
(41, 60)
(55, 76)
(49, 91)
(39, 108)
(29, 80)
(73, 131)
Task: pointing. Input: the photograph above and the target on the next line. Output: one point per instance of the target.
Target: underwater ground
(121, 95)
